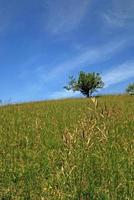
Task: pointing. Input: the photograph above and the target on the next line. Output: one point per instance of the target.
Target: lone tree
(87, 83)
(130, 89)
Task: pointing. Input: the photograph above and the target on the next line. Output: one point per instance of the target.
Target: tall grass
(72, 149)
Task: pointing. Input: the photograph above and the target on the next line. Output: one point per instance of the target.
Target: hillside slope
(68, 149)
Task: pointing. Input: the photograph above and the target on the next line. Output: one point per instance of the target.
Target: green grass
(75, 149)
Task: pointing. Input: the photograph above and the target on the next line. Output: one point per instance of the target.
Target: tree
(130, 89)
(87, 83)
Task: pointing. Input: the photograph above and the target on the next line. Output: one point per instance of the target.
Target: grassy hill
(68, 149)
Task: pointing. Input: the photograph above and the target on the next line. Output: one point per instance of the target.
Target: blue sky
(42, 42)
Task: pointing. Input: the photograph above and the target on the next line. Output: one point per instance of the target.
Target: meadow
(72, 149)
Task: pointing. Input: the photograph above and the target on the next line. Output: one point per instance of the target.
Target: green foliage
(87, 83)
(130, 89)
(75, 149)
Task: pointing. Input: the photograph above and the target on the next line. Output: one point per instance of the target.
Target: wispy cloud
(63, 94)
(119, 74)
(59, 73)
(116, 75)
(120, 14)
(63, 16)
(87, 57)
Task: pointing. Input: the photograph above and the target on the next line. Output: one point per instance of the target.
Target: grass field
(74, 149)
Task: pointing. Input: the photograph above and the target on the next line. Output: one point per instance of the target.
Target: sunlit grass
(69, 149)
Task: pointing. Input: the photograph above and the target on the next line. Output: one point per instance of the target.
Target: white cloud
(63, 94)
(85, 58)
(120, 14)
(88, 57)
(116, 75)
(64, 15)
(119, 74)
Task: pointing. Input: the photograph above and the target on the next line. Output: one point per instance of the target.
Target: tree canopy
(130, 89)
(87, 83)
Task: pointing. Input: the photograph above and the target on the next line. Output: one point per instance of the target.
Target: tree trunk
(88, 95)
